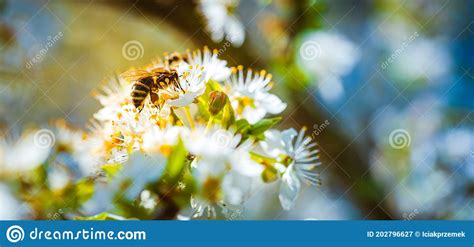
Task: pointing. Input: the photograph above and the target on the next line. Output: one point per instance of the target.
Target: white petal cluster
(193, 83)
(10, 208)
(328, 56)
(221, 20)
(113, 95)
(299, 161)
(249, 93)
(26, 153)
(216, 69)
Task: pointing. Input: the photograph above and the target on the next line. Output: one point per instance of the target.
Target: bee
(147, 82)
(150, 83)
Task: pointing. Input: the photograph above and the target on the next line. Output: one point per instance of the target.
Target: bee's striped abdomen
(140, 90)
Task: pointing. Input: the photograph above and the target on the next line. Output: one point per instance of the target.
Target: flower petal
(273, 104)
(289, 189)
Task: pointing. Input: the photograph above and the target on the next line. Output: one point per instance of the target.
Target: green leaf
(263, 125)
(131, 208)
(40, 174)
(228, 115)
(176, 162)
(84, 190)
(203, 107)
(111, 169)
(74, 195)
(242, 126)
(213, 86)
(101, 216)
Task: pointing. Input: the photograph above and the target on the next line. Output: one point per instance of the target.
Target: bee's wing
(133, 75)
(159, 70)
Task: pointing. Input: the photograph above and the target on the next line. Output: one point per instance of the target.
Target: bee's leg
(176, 79)
(155, 99)
(140, 108)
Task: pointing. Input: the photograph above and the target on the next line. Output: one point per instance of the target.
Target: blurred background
(385, 87)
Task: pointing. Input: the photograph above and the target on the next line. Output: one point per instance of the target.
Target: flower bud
(217, 101)
(269, 174)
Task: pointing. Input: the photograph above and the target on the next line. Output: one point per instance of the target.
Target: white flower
(183, 217)
(25, 154)
(58, 178)
(118, 156)
(218, 150)
(331, 88)
(423, 58)
(216, 69)
(250, 97)
(129, 125)
(162, 140)
(221, 20)
(102, 199)
(192, 80)
(333, 54)
(68, 139)
(220, 160)
(456, 144)
(102, 145)
(78, 144)
(10, 208)
(233, 187)
(202, 207)
(237, 185)
(114, 94)
(297, 164)
(328, 56)
(430, 192)
(132, 124)
(138, 171)
(147, 200)
(90, 157)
